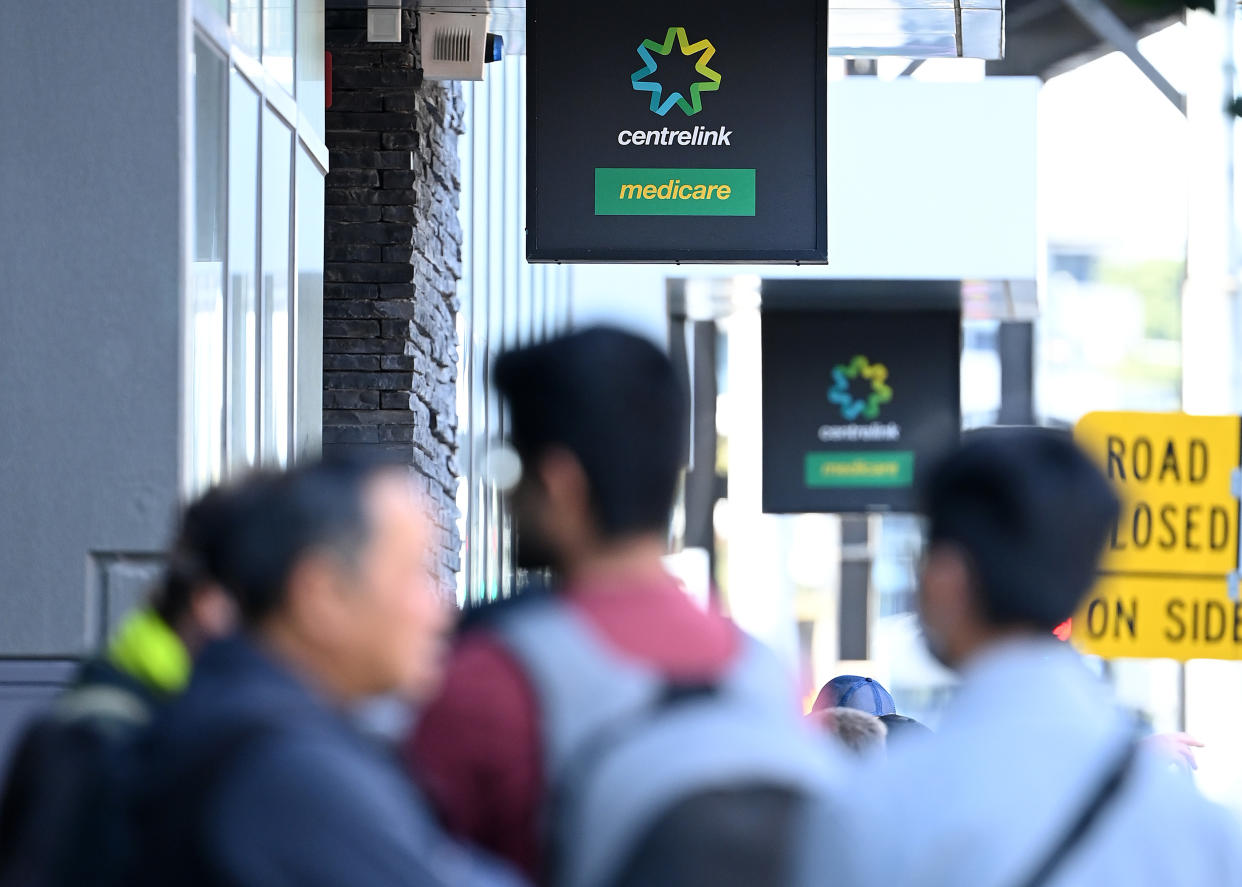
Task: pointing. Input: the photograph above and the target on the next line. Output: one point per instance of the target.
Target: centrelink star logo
(660, 103)
(841, 394)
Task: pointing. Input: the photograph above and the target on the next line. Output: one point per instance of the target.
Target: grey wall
(90, 223)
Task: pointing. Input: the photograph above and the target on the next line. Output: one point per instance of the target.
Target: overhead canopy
(858, 28)
(1039, 37)
(1046, 37)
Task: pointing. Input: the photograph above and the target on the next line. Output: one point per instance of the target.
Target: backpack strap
(102, 703)
(582, 685)
(594, 702)
(568, 664)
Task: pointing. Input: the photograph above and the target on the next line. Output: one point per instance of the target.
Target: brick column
(392, 261)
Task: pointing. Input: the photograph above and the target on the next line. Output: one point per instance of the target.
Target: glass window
(243, 370)
(275, 335)
(308, 360)
(278, 41)
(310, 69)
(247, 26)
(253, 381)
(205, 299)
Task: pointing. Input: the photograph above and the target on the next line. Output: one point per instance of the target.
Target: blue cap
(853, 691)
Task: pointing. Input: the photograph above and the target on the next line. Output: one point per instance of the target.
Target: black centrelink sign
(861, 390)
(677, 131)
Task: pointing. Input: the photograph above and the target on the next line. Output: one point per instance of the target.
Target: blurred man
(854, 691)
(61, 819)
(599, 421)
(1036, 777)
(904, 729)
(256, 776)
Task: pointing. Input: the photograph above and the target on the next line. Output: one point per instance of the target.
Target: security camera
(457, 45)
(495, 48)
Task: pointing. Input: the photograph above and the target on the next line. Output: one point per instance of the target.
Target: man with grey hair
(861, 733)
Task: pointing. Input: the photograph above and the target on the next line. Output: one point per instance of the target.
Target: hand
(1180, 747)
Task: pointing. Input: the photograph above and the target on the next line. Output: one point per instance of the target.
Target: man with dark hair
(599, 422)
(61, 818)
(1035, 776)
(611, 403)
(1023, 515)
(905, 729)
(855, 691)
(256, 777)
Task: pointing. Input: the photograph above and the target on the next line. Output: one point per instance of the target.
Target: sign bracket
(1234, 579)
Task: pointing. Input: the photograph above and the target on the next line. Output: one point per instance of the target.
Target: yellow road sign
(1174, 473)
(1160, 618)
(1171, 556)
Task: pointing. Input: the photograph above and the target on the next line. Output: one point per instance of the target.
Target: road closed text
(1144, 467)
(1174, 474)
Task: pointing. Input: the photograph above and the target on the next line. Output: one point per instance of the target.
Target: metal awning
(1047, 37)
(860, 28)
(1032, 37)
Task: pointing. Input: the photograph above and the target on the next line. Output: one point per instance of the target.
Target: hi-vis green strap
(147, 649)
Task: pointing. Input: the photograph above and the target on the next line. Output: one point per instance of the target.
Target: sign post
(677, 131)
(1168, 583)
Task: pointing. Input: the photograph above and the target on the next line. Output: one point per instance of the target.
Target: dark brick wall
(392, 261)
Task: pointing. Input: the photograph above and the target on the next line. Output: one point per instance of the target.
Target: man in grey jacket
(255, 775)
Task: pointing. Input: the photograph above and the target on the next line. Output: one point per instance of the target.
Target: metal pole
(1209, 325)
(1225, 13)
(1112, 30)
(1016, 344)
(1181, 697)
(854, 615)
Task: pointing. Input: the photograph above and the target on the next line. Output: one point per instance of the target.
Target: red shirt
(476, 749)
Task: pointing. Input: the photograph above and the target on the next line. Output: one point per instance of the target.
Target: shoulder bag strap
(1105, 793)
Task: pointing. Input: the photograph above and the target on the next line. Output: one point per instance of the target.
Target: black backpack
(64, 817)
(651, 783)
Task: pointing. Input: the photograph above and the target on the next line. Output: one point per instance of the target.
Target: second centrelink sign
(677, 131)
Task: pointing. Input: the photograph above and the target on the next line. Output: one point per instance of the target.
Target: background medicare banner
(677, 130)
(861, 391)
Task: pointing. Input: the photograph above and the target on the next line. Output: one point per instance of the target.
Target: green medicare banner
(677, 131)
(892, 469)
(674, 192)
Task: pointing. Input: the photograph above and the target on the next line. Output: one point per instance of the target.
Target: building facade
(216, 257)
